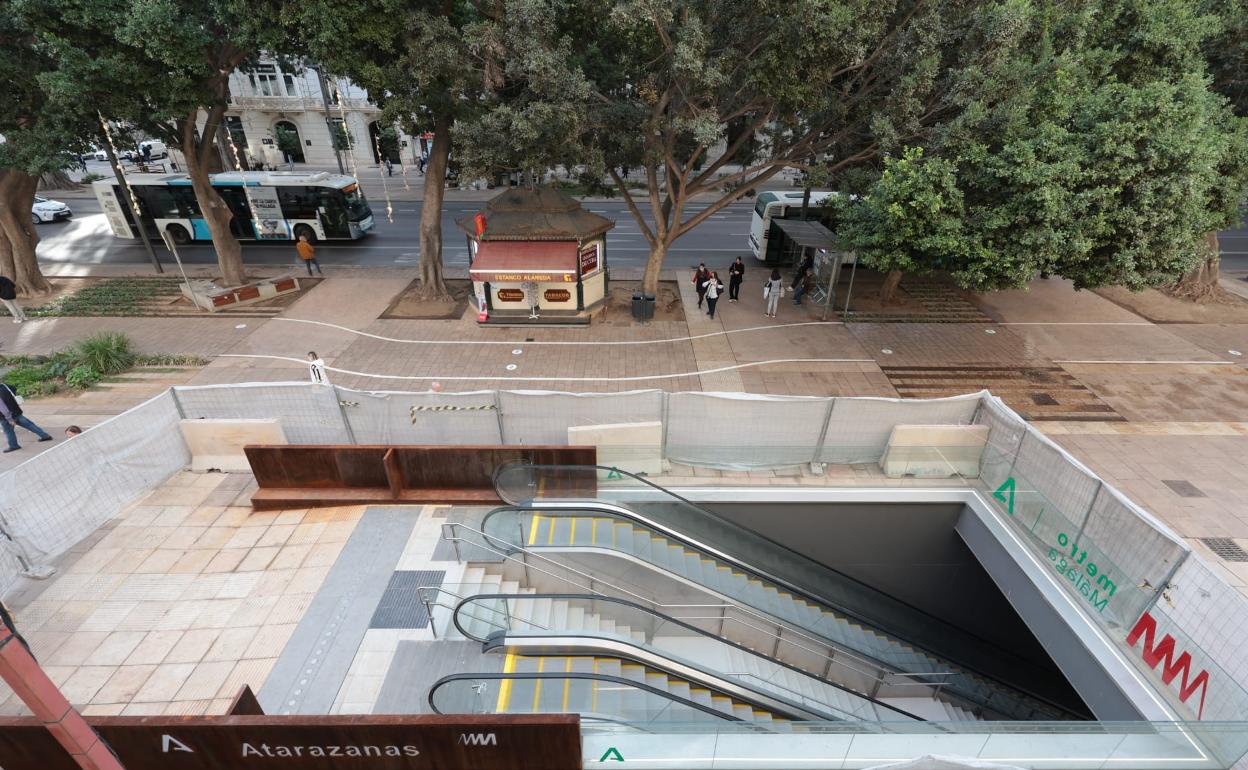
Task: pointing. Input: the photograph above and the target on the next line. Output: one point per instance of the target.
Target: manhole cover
(1226, 548)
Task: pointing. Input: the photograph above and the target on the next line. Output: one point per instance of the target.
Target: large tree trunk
(1201, 283)
(18, 237)
(432, 285)
(56, 180)
(216, 214)
(888, 290)
(654, 265)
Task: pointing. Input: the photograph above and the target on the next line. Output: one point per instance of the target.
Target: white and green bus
(773, 205)
(286, 206)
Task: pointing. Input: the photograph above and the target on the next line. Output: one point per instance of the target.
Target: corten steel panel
(401, 742)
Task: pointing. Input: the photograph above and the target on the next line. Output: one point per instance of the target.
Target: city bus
(772, 205)
(288, 205)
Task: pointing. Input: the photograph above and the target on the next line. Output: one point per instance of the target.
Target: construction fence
(1125, 568)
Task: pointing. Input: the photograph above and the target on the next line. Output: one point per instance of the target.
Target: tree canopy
(1102, 156)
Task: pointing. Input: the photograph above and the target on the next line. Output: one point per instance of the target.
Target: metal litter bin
(643, 306)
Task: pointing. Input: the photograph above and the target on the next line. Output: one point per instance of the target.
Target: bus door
(236, 200)
(333, 213)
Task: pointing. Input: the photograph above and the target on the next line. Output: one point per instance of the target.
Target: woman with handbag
(773, 290)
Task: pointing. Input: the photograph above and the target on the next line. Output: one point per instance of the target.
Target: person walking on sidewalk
(316, 369)
(8, 295)
(772, 291)
(712, 288)
(11, 415)
(307, 252)
(736, 274)
(700, 277)
(804, 286)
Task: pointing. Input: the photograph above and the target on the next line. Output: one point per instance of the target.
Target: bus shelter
(807, 238)
(536, 256)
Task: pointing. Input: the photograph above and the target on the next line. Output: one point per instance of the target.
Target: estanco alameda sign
(416, 742)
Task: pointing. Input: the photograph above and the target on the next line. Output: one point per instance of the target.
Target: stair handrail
(875, 666)
(674, 621)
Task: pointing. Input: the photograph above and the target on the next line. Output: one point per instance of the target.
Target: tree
(1226, 53)
(914, 222)
(37, 133)
(287, 143)
(776, 84)
(1105, 160)
(157, 67)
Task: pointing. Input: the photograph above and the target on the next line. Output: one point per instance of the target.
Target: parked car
(96, 154)
(46, 210)
(159, 150)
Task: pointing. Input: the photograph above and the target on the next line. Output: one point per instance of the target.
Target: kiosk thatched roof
(542, 214)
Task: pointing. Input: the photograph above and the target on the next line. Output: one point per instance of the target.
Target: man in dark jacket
(8, 295)
(11, 416)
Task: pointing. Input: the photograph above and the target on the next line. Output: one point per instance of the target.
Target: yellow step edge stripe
(593, 697)
(572, 533)
(567, 684)
(593, 532)
(533, 528)
(550, 536)
(537, 686)
(504, 689)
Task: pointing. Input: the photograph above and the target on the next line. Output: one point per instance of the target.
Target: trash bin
(643, 306)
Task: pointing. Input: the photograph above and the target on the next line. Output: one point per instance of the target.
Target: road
(86, 239)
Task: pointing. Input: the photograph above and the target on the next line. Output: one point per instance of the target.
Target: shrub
(90, 177)
(81, 377)
(106, 353)
(30, 380)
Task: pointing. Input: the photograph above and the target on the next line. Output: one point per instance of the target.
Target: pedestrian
(8, 295)
(147, 153)
(773, 290)
(316, 369)
(699, 282)
(11, 417)
(72, 431)
(712, 289)
(307, 252)
(736, 274)
(424, 160)
(389, 168)
(807, 263)
(804, 286)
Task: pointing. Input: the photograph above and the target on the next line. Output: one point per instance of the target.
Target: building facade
(278, 117)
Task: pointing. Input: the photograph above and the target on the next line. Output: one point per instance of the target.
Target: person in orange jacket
(307, 252)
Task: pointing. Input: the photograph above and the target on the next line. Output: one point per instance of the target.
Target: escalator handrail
(666, 619)
(499, 676)
(590, 505)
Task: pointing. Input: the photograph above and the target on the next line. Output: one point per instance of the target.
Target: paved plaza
(188, 594)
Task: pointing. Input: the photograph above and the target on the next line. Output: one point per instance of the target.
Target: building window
(290, 85)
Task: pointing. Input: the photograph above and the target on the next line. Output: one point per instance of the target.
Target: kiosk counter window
(551, 275)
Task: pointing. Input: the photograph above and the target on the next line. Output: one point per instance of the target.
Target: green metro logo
(611, 754)
(1000, 494)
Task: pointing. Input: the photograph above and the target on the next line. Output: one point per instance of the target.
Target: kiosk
(536, 256)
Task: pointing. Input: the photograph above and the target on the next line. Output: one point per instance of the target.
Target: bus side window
(188, 205)
(159, 202)
(297, 202)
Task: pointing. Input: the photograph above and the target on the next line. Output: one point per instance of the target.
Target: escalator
(535, 625)
(653, 528)
(598, 687)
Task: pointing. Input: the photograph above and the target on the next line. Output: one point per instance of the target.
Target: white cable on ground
(515, 343)
(453, 378)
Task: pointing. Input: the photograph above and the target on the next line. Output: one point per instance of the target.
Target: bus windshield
(357, 207)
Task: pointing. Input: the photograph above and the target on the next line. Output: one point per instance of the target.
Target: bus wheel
(179, 234)
(302, 230)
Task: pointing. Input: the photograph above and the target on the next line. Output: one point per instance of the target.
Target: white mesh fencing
(543, 417)
(309, 412)
(393, 417)
(859, 428)
(64, 494)
(740, 430)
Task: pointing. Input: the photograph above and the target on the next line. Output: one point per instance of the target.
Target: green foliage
(287, 141)
(29, 381)
(81, 377)
(1100, 155)
(90, 177)
(128, 296)
(106, 353)
(168, 360)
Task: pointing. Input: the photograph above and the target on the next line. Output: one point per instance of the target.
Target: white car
(97, 154)
(46, 210)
